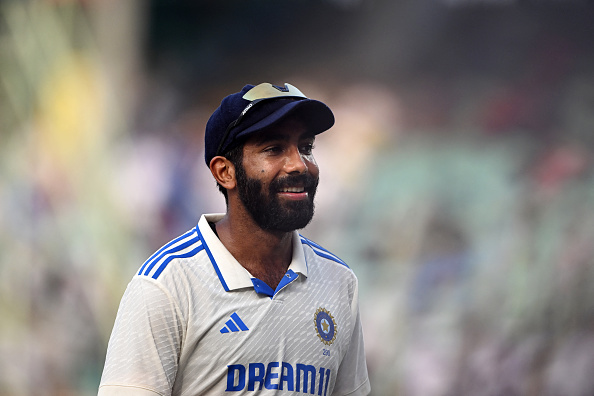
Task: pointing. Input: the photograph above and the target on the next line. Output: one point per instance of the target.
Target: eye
(307, 148)
(273, 149)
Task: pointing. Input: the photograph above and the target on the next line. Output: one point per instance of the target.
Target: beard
(265, 207)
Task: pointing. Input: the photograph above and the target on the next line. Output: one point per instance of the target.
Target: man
(243, 304)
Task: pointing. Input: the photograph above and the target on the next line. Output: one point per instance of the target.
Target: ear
(223, 171)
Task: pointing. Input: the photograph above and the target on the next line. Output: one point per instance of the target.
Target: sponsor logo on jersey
(325, 326)
(234, 325)
(303, 378)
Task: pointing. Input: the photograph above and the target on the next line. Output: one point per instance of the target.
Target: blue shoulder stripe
(191, 253)
(168, 252)
(320, 251)
(160, 251)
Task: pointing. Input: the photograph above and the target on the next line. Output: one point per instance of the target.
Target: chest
(295, 339)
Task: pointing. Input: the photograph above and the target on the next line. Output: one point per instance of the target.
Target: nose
(295, 162)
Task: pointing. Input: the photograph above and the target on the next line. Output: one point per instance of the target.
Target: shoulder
(165, 277)
(321, 253)
(185, 246)
(328, 270)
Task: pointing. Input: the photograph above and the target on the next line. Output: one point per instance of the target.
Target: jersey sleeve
(145, 343)
(352, 378)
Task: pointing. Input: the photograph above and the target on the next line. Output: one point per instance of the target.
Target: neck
(265, 254)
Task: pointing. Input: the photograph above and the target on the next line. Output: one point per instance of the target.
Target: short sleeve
(352, 378)
(145, 343)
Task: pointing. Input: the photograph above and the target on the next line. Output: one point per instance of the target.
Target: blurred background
(458, 181)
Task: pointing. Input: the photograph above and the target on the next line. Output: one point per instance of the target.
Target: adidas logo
(234, 325)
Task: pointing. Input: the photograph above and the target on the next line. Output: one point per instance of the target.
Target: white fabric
(111, 390)
(175, 333)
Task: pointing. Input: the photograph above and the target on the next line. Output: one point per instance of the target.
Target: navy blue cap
(316, 116)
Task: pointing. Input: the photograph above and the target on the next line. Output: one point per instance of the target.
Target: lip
(294, 187)
(294, 196)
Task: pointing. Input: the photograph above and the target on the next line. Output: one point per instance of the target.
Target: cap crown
(258, 113)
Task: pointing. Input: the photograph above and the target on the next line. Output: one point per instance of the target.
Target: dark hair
(235, 156)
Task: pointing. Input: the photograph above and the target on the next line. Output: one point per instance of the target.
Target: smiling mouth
(292, 190)
(294, 193)
(295, 187)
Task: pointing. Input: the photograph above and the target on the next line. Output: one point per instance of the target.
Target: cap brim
(316, 116)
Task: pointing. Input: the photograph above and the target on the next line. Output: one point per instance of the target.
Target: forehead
(285, 130)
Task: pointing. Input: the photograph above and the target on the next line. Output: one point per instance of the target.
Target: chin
(287, 221)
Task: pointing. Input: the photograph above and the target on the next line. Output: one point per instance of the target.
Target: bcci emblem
(325, 326)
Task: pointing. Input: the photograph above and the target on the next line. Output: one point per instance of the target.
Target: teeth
(293, 189)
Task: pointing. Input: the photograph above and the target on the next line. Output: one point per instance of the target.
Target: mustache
(308, 182)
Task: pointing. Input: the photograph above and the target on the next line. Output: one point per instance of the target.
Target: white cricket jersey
(193, 321)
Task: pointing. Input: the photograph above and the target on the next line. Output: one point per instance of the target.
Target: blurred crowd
(463, 206)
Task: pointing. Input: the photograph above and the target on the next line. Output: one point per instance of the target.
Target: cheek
(312, 165)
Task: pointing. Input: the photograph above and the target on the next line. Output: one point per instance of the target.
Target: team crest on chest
(325, 326)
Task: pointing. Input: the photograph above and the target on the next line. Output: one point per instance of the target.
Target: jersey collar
(231, 273)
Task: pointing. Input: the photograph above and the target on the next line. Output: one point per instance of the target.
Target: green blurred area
(457, 182)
